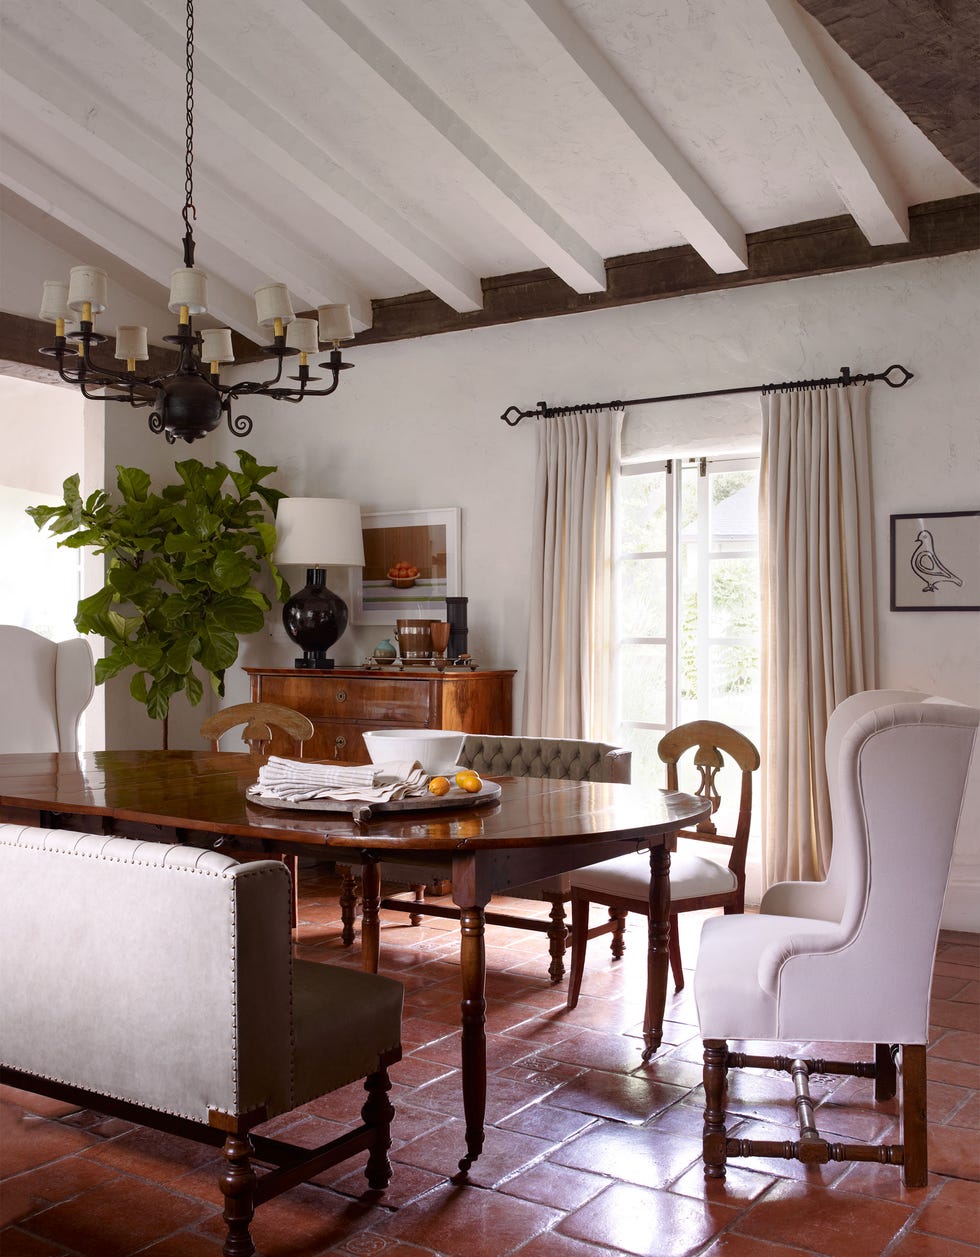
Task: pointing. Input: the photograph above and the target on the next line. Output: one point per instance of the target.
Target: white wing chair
(848, 959)
(44, 688)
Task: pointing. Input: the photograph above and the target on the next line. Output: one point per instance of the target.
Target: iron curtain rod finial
(513, 415)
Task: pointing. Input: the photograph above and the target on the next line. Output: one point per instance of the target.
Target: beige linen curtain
(570, 637)
(818, 615)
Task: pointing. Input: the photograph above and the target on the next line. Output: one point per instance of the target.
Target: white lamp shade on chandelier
(335, 323)
(216, 345)
(131, 343)
(319, 532)
(88, 285)
(188, 290)
(301, 334)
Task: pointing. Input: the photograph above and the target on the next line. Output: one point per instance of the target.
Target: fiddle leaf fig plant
(180, 572)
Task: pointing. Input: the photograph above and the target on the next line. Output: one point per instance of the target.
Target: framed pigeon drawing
(935, 561)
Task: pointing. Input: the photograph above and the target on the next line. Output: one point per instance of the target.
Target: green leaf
(73, 499)
(193, 689)
(41, 514)
(133, 483)
(231, 569)
(180, 655)
(239, 615)
(110, 666)
(157, 703)
(137, 687)
(218, 649)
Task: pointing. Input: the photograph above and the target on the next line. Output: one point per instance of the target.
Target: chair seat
(691, 877)
(736, 979)
(331, 1051)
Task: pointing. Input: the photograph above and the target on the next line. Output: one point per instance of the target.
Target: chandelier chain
(189, 207)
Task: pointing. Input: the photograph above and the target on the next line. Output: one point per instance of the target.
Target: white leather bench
(157, 983)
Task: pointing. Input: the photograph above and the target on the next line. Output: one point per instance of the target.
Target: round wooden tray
(363, 809)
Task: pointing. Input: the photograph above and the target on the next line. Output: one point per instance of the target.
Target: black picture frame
(935, 561)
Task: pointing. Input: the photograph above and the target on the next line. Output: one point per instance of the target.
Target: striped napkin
(295, 781)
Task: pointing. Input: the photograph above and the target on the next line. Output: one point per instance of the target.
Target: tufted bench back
(565, 758)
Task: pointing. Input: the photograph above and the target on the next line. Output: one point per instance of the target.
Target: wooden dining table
(535, 828)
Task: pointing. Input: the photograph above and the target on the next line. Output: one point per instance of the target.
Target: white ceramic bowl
(437, 750)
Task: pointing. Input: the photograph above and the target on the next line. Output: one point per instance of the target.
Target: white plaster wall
(416, 425)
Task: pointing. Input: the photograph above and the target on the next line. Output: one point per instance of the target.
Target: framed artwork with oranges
(411, 565)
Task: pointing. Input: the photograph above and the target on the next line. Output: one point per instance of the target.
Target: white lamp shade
(188, 287)
(131, 342)
(335, 323)
(301, 334)
(88, 283)
(271, 303)
(319, 532)
(54, 301)
(216, 345)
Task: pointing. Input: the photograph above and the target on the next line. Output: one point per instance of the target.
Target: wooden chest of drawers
(343, 702)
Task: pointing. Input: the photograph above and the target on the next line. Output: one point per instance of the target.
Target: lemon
(469, 781)
(439, 786)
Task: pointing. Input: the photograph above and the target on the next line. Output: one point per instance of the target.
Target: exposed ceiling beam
(139, 157)
(498, 188)
(815, 248)
(835, 129)
(926, 55)
(691, 207)
(264, 126)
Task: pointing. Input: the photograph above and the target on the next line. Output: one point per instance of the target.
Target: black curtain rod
(512, 416)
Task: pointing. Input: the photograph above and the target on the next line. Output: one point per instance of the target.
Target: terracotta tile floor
(588, 1151)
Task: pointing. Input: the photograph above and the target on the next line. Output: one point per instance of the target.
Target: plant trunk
(166, 733)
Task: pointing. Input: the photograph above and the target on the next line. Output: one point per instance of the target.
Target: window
(688, 601)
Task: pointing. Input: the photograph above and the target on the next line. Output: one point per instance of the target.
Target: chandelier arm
(247, 388)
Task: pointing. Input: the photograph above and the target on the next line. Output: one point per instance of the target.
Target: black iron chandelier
(189, 402)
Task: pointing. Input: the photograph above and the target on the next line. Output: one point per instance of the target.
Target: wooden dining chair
(698, 879)
(259, 719)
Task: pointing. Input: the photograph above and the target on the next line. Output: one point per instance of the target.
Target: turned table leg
(658, 950)
(473, 964)
(370, 921)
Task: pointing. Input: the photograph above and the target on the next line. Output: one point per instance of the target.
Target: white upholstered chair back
(863, 974)
(824, 900)
(44, 688)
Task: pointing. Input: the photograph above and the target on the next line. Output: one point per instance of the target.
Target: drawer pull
(341, 696)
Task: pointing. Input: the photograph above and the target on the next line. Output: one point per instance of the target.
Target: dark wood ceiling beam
(815, 248)
(925, 54)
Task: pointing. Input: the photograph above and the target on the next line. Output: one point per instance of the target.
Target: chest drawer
(368, 700)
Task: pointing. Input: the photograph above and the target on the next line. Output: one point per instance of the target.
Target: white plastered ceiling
(369, 150)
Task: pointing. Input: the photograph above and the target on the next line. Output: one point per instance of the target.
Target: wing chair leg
(914, 1132)
(238, 1189)
(348, 904)
(714, 1138)
(674, 946)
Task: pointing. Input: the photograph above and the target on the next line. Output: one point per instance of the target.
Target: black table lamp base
(315, 618)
